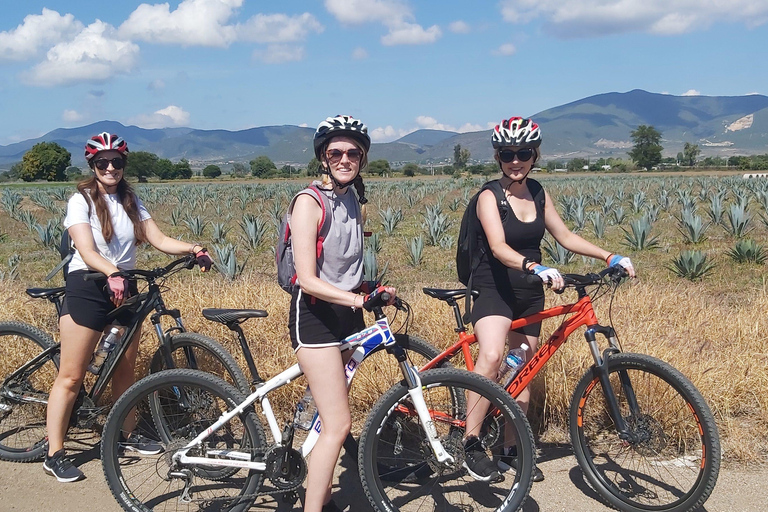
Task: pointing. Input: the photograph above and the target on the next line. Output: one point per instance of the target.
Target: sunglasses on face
(522, 155)
(102, 163)
(335, 155)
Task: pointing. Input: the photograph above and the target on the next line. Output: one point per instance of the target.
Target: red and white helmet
(103, 142)
(340, 125)
(516, 131)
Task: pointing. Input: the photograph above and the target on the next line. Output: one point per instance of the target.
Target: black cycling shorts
(317, 323)
(512, 303)
(88, 302)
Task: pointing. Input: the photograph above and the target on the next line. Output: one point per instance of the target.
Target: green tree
(647, 149)
(313, 167)
(212, 171)
(288, 171)
(73, 173)
(460, 157)
(262, 166)
(379, 167)
(141, 164)
(577, 164)
(691, 153)
(410, 169)
(239, 170)
(182, 170)
(46, 160)
(164, 169)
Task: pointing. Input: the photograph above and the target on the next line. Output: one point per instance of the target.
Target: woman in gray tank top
(326, 306)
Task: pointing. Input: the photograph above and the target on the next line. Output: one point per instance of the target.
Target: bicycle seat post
(460, 327)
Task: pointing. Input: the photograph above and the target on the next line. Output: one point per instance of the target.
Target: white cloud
(505, 49)
(169, 116)
(278, 28)
(411, 33)
(691, 92)
(459, 27)
(193, 23)
(388, 134)
(36, 32)
(71, 116)
(359, 53)
(595, 18)
(96, 54)
(279, 53)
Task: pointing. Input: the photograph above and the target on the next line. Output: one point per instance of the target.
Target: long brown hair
(90, 189)
(327, 183)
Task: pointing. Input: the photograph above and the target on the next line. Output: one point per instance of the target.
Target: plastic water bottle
(305, 411)
(511, 364)
(107, 343)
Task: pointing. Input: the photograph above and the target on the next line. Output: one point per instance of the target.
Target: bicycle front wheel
(399, 469)
(671, 459)
(143, 477)
(197, 352)
(24, 399)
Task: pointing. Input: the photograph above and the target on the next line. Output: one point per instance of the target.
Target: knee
(337, 427)
(69, 382)
(489, 361)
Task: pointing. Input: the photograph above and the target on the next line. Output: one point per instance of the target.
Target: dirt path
(25, 487)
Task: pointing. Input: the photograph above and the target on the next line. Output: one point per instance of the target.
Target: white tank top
(341, 262)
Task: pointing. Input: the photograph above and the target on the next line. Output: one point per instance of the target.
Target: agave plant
(225, 261)
(390, 219)
(716, 210)
(374, 243)
(220, 231)
(738, 221)
(639, 236)
(638, 201)
(12, 273)
(598, 224)
(196, 225)
(10, 200)
(27, 218)
(254, 230)
(436, 224)
(692, 228)
(447, 242)
(748, 251)
(49, 234)
(619, 215)
(559, 254)
(691, 265)
(416, 250)
(371, 267)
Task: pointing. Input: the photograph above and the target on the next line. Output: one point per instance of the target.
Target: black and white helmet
(340, 125)
(516, 131)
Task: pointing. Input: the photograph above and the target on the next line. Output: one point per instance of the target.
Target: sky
(398, 65)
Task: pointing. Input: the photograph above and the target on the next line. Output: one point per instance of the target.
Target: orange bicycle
(641, 432)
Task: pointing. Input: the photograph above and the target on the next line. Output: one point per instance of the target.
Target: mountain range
(597, 126)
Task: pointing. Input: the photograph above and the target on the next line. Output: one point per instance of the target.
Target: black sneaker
(508, 460)
(140, 444)
(477, 463)
(61, 468)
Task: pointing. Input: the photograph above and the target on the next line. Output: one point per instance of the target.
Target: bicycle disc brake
(285, 467)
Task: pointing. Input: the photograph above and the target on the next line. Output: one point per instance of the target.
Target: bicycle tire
(22, 423)
(674, 465)
(398, 469)
(143, 482)
(210, 357)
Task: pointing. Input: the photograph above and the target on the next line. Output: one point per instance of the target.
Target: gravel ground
(26, 487)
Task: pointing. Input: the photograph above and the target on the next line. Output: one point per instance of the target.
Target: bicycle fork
(600, 369)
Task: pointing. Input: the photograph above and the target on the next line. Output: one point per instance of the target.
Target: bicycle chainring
(286, 468)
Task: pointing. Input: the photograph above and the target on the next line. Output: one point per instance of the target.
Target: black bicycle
(32, 358)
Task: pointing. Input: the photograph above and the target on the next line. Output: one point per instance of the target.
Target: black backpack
(66, 251)
(472, 244)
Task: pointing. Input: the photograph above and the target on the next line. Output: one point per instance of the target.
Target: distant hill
(591, 127)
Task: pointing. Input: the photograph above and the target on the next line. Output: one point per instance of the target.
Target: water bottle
(305, 411)
(107, 343)
(511, 364)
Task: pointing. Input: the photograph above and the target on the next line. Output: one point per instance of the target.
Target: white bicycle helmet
(103, 142)
(340, 125)
(516, 131)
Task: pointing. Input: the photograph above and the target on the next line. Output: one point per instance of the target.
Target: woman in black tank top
(506, 291)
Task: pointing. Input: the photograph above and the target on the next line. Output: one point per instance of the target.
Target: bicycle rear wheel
(24, 399)
(189, 402)
(673, 459)
(197, 352)
(399, 470)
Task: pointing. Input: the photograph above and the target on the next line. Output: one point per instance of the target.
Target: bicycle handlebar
(578, 280)
(187, 262)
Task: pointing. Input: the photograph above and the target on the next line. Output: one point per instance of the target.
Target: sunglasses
(335, 155)
(117, 163)
(522, 155)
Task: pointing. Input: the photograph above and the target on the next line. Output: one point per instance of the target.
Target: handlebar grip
(385, 296)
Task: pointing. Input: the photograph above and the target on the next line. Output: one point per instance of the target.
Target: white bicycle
(216, 455)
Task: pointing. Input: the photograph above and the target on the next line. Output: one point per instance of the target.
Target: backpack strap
(537, 191)
(325, 221)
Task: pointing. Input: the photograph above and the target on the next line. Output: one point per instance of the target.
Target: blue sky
(399, 65)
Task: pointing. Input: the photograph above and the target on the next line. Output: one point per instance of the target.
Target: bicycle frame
(362, 343)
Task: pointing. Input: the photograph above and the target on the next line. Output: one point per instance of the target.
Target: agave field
(698, 244)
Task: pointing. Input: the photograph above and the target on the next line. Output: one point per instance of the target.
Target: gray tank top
(341, 262)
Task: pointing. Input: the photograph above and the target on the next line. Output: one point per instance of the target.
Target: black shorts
(88, 302)
(317, 323)
(513, 303)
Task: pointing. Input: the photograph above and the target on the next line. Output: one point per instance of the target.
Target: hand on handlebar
(549, 275)
(616, 260)
(118, 288)
(370, 300)
(203, 260)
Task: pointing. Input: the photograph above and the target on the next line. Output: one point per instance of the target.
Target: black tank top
(524, 237)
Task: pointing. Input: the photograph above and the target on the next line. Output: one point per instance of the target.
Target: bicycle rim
(189, 401)
(399, 469)
(23, 401)
(672, 462)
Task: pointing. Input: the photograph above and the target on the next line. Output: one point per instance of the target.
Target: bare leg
(77, 346)
(324, 371)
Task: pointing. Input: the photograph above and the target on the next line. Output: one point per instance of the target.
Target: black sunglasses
(523, 155)
(117, 163)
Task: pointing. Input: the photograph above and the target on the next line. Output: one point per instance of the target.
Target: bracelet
(608, 259)
(526, 265)
(192, 249)
(354, 302)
